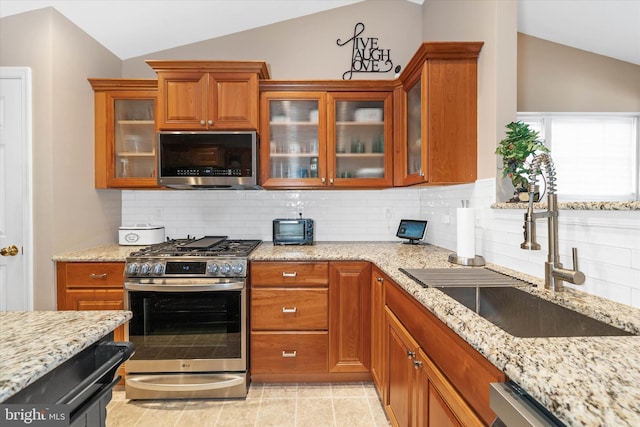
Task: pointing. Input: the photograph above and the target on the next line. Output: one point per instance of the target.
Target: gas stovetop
(208, 246)
(207, 257)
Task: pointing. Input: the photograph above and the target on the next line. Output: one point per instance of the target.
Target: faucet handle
(572, 276)
(574, 255)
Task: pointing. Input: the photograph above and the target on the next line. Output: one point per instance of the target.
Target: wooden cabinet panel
(436, 134)
(93, 274)
(349, 314)
(264, 273)
(294, 309)
(468, 372)
(98, 299)
(208, 95)
(400, 381)
(439, 404)
(289, 352)
(235, 100)
(184, 98)
(378, 358)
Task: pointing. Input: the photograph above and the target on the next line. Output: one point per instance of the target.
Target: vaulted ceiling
(131, 28)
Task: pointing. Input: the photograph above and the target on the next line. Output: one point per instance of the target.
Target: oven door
(188, 326)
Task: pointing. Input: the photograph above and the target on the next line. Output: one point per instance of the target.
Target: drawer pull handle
(288, 353)
(289, 310)
(285, 274)
(98, 276)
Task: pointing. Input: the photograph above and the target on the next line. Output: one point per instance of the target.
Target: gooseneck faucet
(554, 273)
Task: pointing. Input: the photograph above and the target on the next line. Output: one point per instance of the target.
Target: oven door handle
(146, 383)
(187, 287)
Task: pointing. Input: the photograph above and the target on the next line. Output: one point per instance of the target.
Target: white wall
(608, 241)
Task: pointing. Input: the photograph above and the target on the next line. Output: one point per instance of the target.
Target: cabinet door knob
(331, 181)
(202, 122)
(289, 353)
(417, 364)
(380, 279)
(411, 354)
(322, 180)
(289, 310)
(210, 122)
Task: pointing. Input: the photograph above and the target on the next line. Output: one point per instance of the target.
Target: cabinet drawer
(289, 352)
(93, 274)
(290, 309)
(289, 273)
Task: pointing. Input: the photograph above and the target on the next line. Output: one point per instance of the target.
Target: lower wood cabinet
(349, 314)
(418, 393)
(307, 321)
(433, 377)
(92, 286)
(378, 342)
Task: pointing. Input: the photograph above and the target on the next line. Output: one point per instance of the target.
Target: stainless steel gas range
(189, 325)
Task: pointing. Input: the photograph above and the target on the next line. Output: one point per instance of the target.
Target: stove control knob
(158, 269)
(145, 269)
(213, 269)
(237, 268)
(133, 268)
(225, 268)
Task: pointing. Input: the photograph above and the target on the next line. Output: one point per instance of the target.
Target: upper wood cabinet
(125, 133)
(208, 95)
(436, 132)
(326, 134)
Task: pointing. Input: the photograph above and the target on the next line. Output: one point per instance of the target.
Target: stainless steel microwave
(226, 160)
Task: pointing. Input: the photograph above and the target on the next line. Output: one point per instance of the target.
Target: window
(595, 155)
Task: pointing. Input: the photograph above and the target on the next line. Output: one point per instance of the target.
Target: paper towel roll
(466, 219)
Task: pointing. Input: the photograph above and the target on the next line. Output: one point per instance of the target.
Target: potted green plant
(517, 151)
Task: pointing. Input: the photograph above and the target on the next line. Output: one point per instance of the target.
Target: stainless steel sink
(517, 312)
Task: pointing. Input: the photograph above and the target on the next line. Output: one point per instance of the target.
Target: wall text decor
(366, 56)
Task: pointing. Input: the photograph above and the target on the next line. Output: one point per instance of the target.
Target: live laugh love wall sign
(366, 55)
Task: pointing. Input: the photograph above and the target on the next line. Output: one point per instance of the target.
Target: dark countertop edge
(71, 351)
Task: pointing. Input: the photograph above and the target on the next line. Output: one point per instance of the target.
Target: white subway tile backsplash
(608, 241)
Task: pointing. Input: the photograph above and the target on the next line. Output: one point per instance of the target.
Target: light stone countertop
(584, 381)
(33, 343)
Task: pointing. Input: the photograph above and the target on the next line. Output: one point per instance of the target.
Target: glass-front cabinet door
(414, 132)
(359, 139)
(125, 154)
(134, 153)
(293, 139)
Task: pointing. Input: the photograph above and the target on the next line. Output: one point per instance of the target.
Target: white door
(16, 288)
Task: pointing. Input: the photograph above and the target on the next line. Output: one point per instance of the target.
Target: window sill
(575, 206)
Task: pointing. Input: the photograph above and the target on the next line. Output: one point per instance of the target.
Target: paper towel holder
(476, 261)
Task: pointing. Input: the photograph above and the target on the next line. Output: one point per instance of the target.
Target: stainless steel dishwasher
(516, 408)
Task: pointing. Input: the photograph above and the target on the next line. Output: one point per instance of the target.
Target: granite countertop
(33, 343)
(106, 253)
(584, 381)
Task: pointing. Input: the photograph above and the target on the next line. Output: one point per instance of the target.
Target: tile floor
(278, 405)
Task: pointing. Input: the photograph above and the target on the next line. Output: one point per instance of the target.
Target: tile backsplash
(608, 242)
